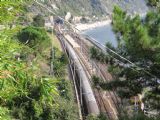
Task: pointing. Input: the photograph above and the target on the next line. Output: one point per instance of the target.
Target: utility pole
(52, 56)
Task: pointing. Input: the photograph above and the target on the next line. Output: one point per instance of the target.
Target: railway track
(103, 100)
(103, 105)
(87, 92)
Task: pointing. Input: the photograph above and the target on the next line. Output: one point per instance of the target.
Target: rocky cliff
(94, 7)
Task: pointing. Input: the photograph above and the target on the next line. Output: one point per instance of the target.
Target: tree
(4, 114)
(38, 21)
(98, 55)
(25, 92)
(96, 81)
(34, 37)
(153, 2)
(140, 44)
(21, 91)
(118, 23)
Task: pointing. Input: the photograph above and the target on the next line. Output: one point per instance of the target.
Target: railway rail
(106, 101)
(112, 103)
(87, 92)
(101, 67)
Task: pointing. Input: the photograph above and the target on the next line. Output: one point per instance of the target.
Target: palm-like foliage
(26, 94)
(18, 83)
(9, 10)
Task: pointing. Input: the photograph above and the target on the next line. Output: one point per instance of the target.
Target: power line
(133, 64)
(103, 47)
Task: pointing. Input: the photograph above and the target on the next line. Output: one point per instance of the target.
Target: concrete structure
(87, 92)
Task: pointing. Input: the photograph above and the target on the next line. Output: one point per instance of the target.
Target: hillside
(94, 7)
(34, 82)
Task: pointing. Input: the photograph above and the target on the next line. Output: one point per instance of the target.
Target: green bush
(96, 80)
(38, 21)
(153, 2)
(101, 116)
(34, 37)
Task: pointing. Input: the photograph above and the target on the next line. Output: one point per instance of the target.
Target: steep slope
(131, 6)
(95, 7)
(76, 7)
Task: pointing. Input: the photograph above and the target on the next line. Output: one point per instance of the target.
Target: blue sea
(103, 34)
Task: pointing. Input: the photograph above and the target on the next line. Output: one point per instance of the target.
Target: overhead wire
(103, 47)
(133, 64)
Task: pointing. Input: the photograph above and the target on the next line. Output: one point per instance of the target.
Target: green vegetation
(136, 116)
(119, 25)
(22, 91)
(9, 11)
(38, 21)
(59, 62)
(98, 55)
(138, 42)
(56, 44)
(153, 2)
(96, 80)
(27, 91)
(99, 117)
(34, 37)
